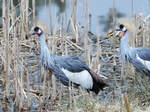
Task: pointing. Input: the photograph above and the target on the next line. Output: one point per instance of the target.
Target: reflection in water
(100, 9)
(107, 20)
(51, 13)
(61, 5)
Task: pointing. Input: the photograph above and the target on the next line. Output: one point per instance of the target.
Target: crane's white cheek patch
(39, 31)
(144, 62)
(82, 78)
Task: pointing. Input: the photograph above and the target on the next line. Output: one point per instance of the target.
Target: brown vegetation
(25, 86)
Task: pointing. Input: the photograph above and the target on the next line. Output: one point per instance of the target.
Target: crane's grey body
(48, 62)
(69, 68)
(139, 57)
(74, 69)
(71, 63)
(59, 64)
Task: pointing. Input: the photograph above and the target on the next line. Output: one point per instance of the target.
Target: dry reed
(21, 84)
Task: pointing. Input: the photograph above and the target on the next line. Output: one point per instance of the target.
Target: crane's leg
(88, 91)
(50, 76)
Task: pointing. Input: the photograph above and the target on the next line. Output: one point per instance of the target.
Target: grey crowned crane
(139, 57)
(69, 68)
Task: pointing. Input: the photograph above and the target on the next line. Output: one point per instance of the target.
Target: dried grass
(25, 86)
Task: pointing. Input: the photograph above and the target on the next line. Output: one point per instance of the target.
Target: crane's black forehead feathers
(121, 26)
(37, 31)
(36, 28)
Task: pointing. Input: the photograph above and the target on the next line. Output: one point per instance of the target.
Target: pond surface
(101, 11)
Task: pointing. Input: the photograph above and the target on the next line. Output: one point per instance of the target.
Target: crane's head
(37, 31)
(122, 28)
(118, 32)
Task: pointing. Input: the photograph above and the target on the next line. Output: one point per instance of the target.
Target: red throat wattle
(39, 35)
(123, 33)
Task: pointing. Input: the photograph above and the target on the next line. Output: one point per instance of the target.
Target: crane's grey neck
(125, 49)
(46, 57)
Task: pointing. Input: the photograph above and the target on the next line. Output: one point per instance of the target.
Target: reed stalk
(53, 51)
(127, 104)
(114, 61)
(50, 18)
(122, 86)
(6, 5)
(44, 85)
(16, 73)
(70, 95)
(23, 16)
(33, 11)
(74, 99)
(26, 15)
(86, 31)
(19, 56)
(28, 88)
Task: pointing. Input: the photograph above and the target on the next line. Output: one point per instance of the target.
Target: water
(100, 10)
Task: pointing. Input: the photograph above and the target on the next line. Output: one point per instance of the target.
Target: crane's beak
(109, 34)
(118, 29)
(34, 33)
(114, 32)
(30, 34)
(117, 32)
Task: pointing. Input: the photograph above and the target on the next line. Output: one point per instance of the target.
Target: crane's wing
(71, 63)
(143, 53)
(60, 74)
(140, 67)
(140, 58)
(79, 73)
(75, 70)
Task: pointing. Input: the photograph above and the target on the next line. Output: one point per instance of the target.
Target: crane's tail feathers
(98, 83)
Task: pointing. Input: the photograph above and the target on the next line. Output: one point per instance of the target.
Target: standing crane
(69, 68)
(139, 57)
